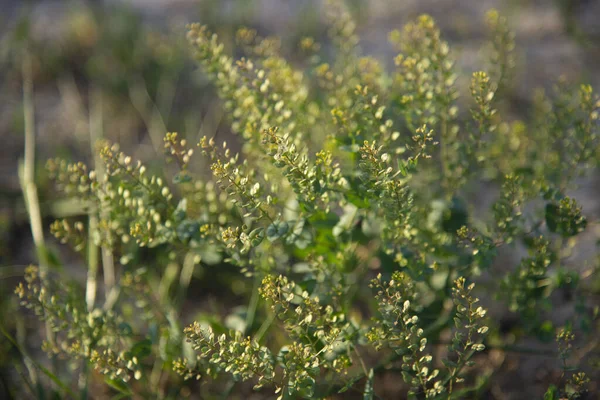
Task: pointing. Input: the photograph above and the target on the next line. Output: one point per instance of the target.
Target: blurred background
(124, 64)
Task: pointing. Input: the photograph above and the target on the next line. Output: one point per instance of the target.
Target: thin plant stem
(148, 110)
(84, 380)
(167, 86)
(96, 133)
(20, 344)
(28, 171)
(27, 180)
(251, 313)
(264, 327)
(91, 283)
(360, 359)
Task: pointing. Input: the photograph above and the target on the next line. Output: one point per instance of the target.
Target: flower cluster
(399, 328)
(97, 336)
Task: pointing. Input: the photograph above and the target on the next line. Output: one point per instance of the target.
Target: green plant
(347, 175)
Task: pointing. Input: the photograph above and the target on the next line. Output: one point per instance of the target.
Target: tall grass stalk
(96, 134)
(27, 179)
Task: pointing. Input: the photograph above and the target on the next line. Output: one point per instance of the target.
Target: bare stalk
(28, 185)
(27, 179)
(91, 282)
(96, 133)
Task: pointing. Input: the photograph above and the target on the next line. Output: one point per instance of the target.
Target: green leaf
(402, 168)
(142, 348)
(546, 331)
(551, 393)
(306, 388)
(210, 254)
(181, 211)
(552, 212)
(188, 229)
(276, 230)
(456, 217)
(304, 240)
(237, 320)
(449, 363)
(51, 257)
(125, 329)
(406, 377)
(350, 148)
(346, 221)
(296, 228)
(565, 217)
(182, 177)
(347, 386)
(256, 236)
(301, 268)
(119, 386)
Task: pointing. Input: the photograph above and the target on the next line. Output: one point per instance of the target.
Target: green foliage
(576, 383)
(101, 337)
(346, 175)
